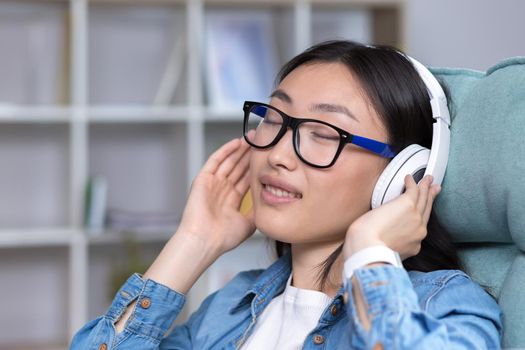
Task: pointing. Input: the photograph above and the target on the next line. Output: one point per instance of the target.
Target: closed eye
(272, 122)
(325, 136)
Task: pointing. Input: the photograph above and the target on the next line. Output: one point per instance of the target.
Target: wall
(464, 33)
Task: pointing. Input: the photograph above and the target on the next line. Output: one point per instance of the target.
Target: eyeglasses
(315, 142)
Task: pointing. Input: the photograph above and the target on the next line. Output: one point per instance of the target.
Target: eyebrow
(281, 95)
(319, 107)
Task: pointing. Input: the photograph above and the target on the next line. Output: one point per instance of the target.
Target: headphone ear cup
(412, 160)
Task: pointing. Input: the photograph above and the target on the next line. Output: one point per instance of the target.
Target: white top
(288, 319)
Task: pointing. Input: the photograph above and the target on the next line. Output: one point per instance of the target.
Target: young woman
(315, 203)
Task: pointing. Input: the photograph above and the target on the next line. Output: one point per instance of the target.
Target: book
(141, 222)
(96, 202)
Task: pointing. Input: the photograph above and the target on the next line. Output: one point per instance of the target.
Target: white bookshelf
(99, 121)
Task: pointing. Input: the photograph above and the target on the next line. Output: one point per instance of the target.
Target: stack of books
(141, 222)
(99, 219)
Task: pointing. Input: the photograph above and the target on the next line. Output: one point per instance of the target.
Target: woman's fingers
(217, 158)
(230, 163)
(241, 167)
(243, 184)
(420, 193)
(234, 195)
(411, 189)
(434, 191)
(424, 187)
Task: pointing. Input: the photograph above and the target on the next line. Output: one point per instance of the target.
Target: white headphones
(415, 159)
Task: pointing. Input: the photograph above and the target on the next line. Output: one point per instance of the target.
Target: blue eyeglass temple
(380, 148)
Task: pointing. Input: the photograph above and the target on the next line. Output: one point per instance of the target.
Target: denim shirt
(442, 309)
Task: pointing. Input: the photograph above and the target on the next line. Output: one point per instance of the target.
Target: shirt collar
(269, 283)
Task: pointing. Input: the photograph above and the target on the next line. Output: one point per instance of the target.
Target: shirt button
(103, 346)
(333, 310)
(318, 339)
(145, 303)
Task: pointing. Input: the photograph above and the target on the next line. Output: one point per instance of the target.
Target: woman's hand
(400, 224)
(211, 223)
(212, 210)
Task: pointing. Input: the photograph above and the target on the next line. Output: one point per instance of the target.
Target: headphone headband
(439, 151)
(438, 100)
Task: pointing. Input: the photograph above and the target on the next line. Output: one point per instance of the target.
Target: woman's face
(297, 203)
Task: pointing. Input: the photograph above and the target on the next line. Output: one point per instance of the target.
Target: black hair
(400, 98)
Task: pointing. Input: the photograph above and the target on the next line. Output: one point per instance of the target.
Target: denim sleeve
(156, 308)
(458, 314)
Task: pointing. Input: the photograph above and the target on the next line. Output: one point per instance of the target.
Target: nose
(282, 155)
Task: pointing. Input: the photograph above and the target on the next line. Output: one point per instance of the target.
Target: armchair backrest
(482, 203)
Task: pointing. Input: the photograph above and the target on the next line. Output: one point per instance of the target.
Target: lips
(278, 190)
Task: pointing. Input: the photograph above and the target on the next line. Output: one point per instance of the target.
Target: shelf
(254, 2)
(367, 3)
(224, 115)
(119, 237)
(139, 2)
(346, 3)
(21, 238)
(64, 2)
(251, 2)
(11, 113)
(137, 114)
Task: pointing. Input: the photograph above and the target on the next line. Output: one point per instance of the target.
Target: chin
(293, 230)
(276, 228)
(288, 230)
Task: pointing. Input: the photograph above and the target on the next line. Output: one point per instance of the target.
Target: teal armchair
(482, 203)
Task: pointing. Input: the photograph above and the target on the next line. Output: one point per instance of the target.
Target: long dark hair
(401, 100)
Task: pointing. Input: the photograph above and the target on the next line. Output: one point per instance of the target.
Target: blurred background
(108, 108)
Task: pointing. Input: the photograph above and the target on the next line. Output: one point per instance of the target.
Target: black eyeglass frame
(345, 137)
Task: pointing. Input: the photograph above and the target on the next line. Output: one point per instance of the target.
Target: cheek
(350, 194)
(340, 202)
(343, 196)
